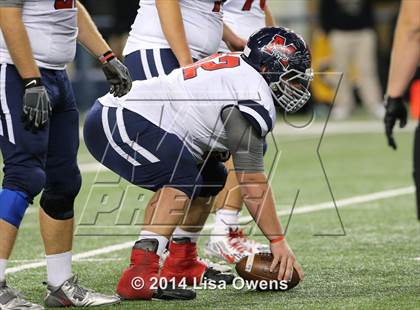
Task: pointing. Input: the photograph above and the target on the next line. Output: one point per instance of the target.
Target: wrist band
(278, 239)
(32, 82)
(106, 57)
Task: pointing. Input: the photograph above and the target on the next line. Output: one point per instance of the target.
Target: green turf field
(372, 266)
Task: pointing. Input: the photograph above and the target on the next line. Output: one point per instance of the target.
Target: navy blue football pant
(146, 155)
(46, 159)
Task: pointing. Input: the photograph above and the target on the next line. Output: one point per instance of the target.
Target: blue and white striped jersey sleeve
(257, 114)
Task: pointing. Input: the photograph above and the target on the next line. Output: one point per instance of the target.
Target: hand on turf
(284, 256)
(118, 76)
(395, 110)
(36, 108)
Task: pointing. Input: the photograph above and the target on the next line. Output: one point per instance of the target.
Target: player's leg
(342, 46)
(367, 70)
(227, 207)
(149, 157)
(23, 157)
(417, 166)
(227, 240)
(182, 263)
(63, 182)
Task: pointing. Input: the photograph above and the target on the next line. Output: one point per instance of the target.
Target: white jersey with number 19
(188, 102)
(52, 31)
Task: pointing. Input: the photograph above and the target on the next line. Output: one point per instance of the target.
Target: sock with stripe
(225, 219)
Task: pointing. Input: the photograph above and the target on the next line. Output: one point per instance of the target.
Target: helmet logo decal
(278, 48)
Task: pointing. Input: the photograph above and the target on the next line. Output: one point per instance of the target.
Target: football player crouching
(156, 137)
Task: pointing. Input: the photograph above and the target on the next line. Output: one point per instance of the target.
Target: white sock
(3, 265)
(225, 219)
(163, 241)
(180, 233)
(58, 268)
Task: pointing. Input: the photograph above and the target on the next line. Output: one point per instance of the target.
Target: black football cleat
(212, 275)
(174, 294)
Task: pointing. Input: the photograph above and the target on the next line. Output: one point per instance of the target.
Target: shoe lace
(80, 290)
(242, 237)
(237, 233)
(236, 237)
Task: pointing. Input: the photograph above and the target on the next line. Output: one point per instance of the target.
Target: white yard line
(417, 258)
(346, 202)
(302, 210)
(78, 257)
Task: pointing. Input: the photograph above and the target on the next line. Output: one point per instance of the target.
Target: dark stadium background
(114, 18)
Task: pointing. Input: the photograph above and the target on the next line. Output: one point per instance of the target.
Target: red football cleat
(136, 280)
(183, 265)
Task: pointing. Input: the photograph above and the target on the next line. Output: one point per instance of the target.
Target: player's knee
(13, 205)
(30, 181)
(36, 181)
(58, 201)
(214, 179)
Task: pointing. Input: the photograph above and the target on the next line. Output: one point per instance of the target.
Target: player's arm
(234, 42)
(406, 49)
(246, 146)
(269, 19)
(116, 73)
(404, 61)
(17, 39)
(35, 107)
(89, 35)
(173, 28)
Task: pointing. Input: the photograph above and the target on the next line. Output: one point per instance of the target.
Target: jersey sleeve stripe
(259, 115)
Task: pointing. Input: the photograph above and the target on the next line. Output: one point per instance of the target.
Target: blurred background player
(178, 169)
(350, 28)
(227, 241)
(167, 35)
(39, 135)
(170, 34)
(405, 60)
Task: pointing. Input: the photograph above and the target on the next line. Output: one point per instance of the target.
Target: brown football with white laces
(256, 268)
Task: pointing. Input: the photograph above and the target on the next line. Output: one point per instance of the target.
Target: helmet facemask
(291, 90)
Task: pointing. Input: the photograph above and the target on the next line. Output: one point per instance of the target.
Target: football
(256, 268)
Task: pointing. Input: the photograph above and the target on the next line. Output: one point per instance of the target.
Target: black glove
(117, 74)
(395, 110)
(36, 109)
